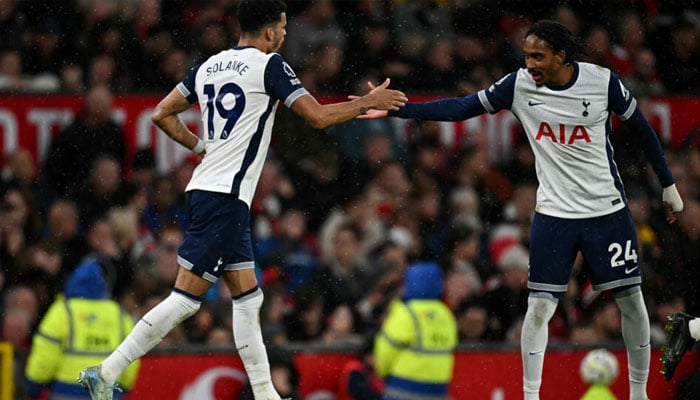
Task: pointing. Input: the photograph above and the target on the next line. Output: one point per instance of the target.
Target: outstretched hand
(384, 99)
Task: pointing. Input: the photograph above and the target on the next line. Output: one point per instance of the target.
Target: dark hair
(253, 15)
(558, 37)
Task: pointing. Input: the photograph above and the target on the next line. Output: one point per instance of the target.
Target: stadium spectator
(291, 249)
(143, 168)
(388, 261)
(307, 322)
(473, 170)
(46, 51)
(21, 171)
(341, 329)
(74, 150)
(473, 321)
(413, 351)
(14, 24)
(438, 62)
(358, 381)
(324, 67)
(643, 81)
(12, 77)
(72, 78)
(114, 44)
(154, 50)
(79, 328)
(210, 38)
(630, 39)
(64, 232)
(163, 206)
(505, 294)
(274, 309)
(464, 271)
(274, 192)
(597, 46)
(102, 71)
(691, 161)
(679, 59)
(342, 278)
(315, 26)
(374, 52)
(95, 197)
(416, 23)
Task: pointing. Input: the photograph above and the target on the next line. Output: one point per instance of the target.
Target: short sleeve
(281, 81)
(620, 99)
(500, 95)
(187, 86)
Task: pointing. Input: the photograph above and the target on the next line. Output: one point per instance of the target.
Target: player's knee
(541, 307)
(187, 304)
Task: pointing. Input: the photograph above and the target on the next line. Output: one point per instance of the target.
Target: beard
(277, 44)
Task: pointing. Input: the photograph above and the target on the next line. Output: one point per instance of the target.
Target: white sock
(249, 343)
(635, 332)
(694, 326)
(533, 340)
(148, 332)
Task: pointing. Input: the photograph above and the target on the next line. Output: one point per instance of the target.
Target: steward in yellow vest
(80, 329)
(414, 351)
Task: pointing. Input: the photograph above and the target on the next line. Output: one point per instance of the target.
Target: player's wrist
(199, 147)
(671, 196)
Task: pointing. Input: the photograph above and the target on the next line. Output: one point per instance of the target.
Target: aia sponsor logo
(563, 134)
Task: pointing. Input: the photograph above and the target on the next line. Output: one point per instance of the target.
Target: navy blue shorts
(608, 245)
(218, 236)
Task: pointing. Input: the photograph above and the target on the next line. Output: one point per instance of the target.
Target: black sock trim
(246, 293)
(188, 295)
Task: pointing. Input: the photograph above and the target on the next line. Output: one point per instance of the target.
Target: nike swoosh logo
(644, 346)
(530, 103)
(629, 270)
(533, 353)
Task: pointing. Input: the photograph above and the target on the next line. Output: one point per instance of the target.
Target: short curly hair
(253, 15)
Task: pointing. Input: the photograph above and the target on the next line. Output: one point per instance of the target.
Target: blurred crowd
(463, 45)
(339, 215)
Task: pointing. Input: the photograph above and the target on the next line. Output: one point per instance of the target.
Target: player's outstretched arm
(322, 116)
(165, 116)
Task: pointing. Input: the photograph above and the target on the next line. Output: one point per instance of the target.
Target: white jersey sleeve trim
(630, 110)
(485, 102)
(294, 96)
(183, 89)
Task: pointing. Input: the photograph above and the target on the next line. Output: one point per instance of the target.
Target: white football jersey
(568, 128)
(238, 91)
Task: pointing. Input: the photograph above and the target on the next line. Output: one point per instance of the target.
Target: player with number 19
(564, 107)
(238, 91)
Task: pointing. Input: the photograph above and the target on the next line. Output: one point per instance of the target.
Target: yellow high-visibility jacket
(74, 334)
(598, 392)
(414, 351)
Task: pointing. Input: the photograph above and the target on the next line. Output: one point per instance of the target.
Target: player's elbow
(318, 122)
(157, 116)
